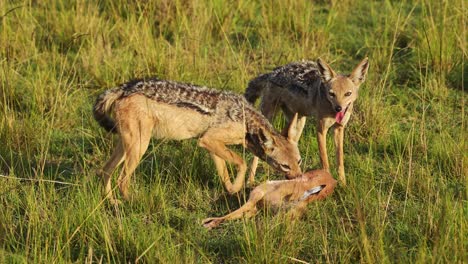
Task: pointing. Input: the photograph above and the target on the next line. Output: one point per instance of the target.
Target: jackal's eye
(347, 94)
(285, 167)
(332, 94)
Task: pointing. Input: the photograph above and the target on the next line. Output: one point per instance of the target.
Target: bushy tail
(102, 107)
(255, 88)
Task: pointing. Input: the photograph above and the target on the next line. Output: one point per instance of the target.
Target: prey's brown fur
(169, 110)
(310, 89)
(293, 194)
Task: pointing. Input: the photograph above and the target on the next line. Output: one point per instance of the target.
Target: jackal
(292, 195)
(169, 110)
(310, 89)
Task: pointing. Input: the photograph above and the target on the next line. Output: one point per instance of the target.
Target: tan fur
(139, 117)
(289, 194)
(310, 89)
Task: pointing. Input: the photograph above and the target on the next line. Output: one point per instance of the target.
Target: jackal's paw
(343, 181)
(342, 176)
(210, 223)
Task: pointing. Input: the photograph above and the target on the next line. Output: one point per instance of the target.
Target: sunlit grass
(405, 149)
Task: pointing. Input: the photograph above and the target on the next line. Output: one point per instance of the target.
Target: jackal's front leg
(215, 142)
(339, 137)
(223, 172)
(253, 170)
(322, 129)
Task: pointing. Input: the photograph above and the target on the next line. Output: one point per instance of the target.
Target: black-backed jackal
(310, 89)
(168, 110)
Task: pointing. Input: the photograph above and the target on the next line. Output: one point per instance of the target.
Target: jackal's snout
(338, 108)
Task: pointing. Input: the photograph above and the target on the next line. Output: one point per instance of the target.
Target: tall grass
(405, 145)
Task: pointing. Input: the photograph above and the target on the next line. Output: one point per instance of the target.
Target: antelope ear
(325, 70)
(312, 191)
(295, 128)
(359, 73)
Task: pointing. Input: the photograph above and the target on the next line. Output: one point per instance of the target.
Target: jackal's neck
(255, 121)
(256, 128)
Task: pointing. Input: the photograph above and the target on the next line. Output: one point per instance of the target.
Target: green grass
(406, 152)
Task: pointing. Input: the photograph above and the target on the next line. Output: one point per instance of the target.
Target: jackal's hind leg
(136, 135)
(116, 158)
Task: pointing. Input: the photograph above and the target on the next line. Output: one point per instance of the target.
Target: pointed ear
(312, 191)
(266, 140)
(295, 128)
(325, 70)
(359, 73)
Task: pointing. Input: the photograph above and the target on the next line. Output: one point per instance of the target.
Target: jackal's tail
(103, 106)
(255, 88)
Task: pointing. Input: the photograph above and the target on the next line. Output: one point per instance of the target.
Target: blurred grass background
(405, 146)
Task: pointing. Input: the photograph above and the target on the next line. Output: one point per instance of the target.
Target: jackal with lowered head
(310, 89)
(169, 110)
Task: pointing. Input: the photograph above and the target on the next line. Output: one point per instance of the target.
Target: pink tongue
(339, 117)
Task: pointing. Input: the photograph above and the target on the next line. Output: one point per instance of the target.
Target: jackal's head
(281, 152)
(342, 90)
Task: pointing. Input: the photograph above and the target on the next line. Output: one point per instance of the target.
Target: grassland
(406, 152)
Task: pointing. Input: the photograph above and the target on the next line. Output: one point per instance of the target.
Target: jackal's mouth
(340, 115)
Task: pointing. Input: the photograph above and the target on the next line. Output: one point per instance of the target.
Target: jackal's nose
(338, 108)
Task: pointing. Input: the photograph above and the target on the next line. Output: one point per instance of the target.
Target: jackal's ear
(266, 140)
(295, 128)
(359, 73)
(325, 70)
